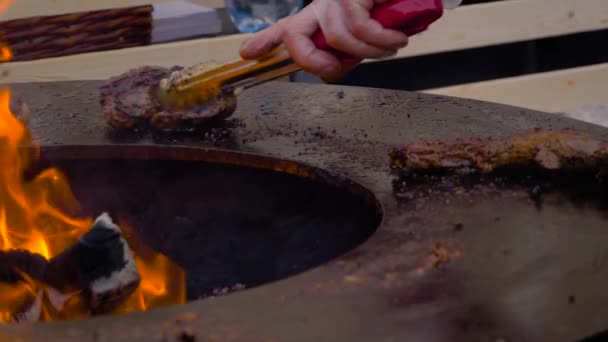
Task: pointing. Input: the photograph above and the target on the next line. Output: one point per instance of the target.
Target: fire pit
(202, 224)
(230, 226)
(487, 263)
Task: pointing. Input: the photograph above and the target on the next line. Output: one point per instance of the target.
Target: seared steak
(547, 149)
(130, 100)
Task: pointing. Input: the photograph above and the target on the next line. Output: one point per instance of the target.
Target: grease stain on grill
(181, 329)
(222, 134)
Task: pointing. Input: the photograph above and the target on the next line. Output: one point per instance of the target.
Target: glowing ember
(39, 215)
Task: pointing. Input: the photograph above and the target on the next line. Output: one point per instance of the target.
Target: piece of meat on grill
(130, 100)
(549, 150)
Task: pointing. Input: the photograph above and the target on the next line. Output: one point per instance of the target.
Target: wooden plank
(101, 65)
(557, 91)
(466, 27)
(508, 21)
(29, 8)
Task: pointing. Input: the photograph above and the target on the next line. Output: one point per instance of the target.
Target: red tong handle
(409, 16)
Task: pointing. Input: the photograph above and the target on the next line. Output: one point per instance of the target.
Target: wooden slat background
(28, 8)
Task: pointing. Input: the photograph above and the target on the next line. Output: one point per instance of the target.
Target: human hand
(347, 27)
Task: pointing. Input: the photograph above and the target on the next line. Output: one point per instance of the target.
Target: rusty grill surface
(482, 264)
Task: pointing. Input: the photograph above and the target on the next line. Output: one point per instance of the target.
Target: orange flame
(5, 54)
(163, 282)
(4, 4)
(28, 220)
(155, 291)
(37, 215)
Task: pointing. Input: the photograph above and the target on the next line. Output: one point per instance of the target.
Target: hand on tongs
(330, 37)
(327, 38)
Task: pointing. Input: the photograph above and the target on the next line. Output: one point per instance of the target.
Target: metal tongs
(199, 84)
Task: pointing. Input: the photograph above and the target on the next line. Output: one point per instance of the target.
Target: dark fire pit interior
(228, 226)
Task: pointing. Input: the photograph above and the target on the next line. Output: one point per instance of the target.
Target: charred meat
(130, 100)
(545, 149)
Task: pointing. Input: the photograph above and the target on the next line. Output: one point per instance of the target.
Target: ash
(126, 274)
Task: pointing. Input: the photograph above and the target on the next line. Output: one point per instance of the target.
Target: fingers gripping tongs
(197, 84)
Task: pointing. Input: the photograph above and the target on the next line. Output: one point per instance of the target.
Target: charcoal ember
(15, 263)
(548, 150)
(18, 269)
(101, 265)
(131, 100)
(30, 312)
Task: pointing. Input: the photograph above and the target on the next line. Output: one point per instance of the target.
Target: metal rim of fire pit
(214, 156)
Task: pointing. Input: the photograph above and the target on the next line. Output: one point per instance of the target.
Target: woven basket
(68, 34)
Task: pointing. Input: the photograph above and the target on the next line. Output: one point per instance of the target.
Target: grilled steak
(130, 100)
(548, 150)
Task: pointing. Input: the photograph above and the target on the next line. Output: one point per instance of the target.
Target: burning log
(89, 277)
(15, 263)
(94, 275)
(31, 312)
(19, 270)
(101, 266)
